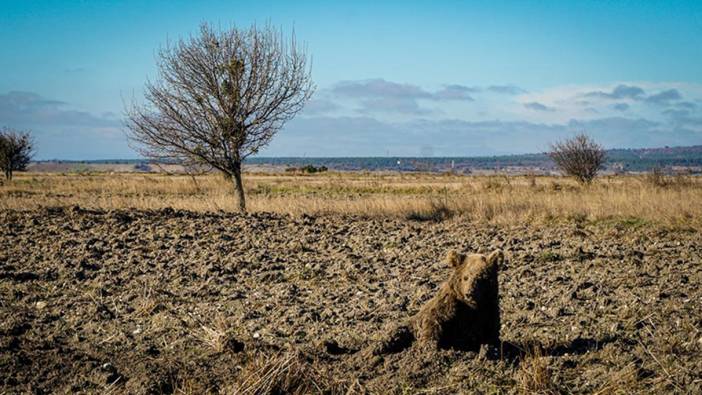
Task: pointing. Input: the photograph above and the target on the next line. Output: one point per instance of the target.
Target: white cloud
(618, 115)
(379, 117)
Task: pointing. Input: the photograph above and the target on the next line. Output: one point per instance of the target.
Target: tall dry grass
(493, 199)
(287, 373)
(534, 374)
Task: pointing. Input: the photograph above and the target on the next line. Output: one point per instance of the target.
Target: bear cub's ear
(454, 259)
(496, 257)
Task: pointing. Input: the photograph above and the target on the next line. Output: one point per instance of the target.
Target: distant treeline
(626, 160)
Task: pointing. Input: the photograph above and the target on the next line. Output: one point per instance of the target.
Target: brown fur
(464, 314)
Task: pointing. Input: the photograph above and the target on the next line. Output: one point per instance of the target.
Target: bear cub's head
(474, 276)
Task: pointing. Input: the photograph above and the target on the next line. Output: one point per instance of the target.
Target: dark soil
(165, 301)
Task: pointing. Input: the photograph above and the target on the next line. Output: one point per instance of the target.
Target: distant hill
(647, 158)
(626, 160)
(618, 160)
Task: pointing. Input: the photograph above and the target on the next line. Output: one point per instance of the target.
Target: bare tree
(580, 157)
(16, 151)
(221, 96)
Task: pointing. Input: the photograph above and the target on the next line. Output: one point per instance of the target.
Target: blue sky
(394, 78)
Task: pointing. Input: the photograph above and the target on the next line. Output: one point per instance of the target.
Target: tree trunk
(239, 188)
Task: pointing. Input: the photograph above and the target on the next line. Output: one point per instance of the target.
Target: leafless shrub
(221, 96)
(16, 151)
(580, 157)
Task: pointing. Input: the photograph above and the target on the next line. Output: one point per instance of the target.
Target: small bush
(630, 223)
(308, 169)
(16, 151)
(262, 189)
(142, 166)
(580, 157)
(437, 211)
(550, 256)
(578, 217)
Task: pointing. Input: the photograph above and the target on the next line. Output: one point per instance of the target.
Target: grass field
(661, 200)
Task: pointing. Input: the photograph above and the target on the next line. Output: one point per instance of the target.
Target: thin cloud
(620, 106)
(665, 97)
(63, 132)
(619, 92)
(379, 95)
(401, 105)
(538, 106)
(30, 109)
(455, 92)
(74, 70)
(677, 114)
(320, 106)
(378, 88)
(506, 89)
(686, 105)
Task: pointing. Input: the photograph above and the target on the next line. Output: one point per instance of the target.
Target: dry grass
(534, 375)
(632, 200)
(621, 382)
(287, 373)
(214, 338)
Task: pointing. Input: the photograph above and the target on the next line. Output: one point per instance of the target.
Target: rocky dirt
(167, 301)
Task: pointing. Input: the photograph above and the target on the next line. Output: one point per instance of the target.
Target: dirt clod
(611, 314)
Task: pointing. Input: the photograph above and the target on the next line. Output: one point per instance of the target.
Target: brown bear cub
(464, 314)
